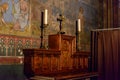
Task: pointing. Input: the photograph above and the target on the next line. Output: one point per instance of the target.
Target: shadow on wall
(12, 72)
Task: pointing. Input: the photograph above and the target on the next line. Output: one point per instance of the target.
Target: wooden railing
(61, 59)
(47, 62)
(81, 60)
(40, 61)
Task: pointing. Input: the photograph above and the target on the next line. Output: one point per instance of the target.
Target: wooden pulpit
(61, 58)
(67, 45)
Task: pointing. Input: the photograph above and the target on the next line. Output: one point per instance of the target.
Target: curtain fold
(107, 53)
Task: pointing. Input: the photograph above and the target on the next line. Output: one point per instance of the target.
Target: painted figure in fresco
(3, 9)
(20, 13)
(81, 16)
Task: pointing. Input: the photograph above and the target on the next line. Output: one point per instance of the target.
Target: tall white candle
(45, 16)
(79, 24)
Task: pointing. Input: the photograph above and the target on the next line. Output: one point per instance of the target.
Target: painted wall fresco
(70, 11)
(11, 48)
(23, 17)
(15, 17)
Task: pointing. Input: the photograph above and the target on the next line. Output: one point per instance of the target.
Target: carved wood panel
(67, 45)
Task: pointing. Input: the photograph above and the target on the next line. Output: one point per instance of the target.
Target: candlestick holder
(43, 36)
(61, 19)
(78, 41)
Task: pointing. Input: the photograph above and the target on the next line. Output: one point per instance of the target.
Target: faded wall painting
(70, 9)
(23, 17)
(15, 17)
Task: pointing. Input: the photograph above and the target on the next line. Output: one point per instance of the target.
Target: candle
(45, 16)
(79, 25)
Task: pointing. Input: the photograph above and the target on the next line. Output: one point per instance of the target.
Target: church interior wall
(16, 34)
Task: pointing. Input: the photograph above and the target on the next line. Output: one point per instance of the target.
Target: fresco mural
(23, 17)
(20, 11)
(14, 17)
(70, 10)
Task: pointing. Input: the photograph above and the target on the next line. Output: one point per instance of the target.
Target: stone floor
(12, 72)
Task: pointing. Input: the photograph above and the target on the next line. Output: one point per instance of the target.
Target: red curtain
(105, 53)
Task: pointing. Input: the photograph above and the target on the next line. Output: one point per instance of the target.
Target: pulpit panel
(66, 44)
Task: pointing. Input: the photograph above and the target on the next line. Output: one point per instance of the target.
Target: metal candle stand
(43, 32)
(78, 38)
(78, 41)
